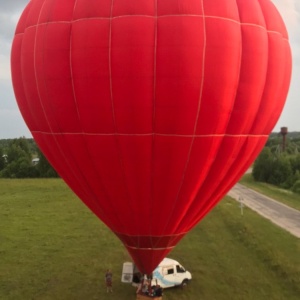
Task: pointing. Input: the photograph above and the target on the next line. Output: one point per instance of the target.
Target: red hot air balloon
(150, 110)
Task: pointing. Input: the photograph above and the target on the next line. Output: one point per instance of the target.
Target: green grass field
(285, 196)
(52, 247)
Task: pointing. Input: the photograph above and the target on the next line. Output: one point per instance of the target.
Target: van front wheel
(184, 283)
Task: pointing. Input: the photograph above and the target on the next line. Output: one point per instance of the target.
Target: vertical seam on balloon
(78, 115)
(153, 116)
(195, 125)
(71, 68)
(239, 70)
(237, 151)
(113, 113)
(35, 71)
(245, 166)
(37, 86)
(284, 38)
(92, 200)
(76, 105)
(54, 135)
(207, 199)
(267, 71)
(197, 217)
(21, 69)
(198, 108)
(269, 32)
(240, 149)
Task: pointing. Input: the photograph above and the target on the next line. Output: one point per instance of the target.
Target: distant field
(53, 248)
(285, 196)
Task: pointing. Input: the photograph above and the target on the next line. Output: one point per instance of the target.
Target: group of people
(145, 287)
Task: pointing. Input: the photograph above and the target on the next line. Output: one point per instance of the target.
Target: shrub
(296, 187)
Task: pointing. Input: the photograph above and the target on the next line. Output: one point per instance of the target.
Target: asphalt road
(278, 213)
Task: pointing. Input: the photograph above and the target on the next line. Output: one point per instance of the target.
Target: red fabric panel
(91, 79)
(94, 9)
(75, 179)
(253, 68)
(165, 172)
(221, 9)
(150, 110)
(225, 157)
(179, 63)
(220, 75)
(194, 167)
(135, 153)
(246, 15)
(252, 73)
(179, 7)
(279, 71)
(31, 100)
(132, 81)
(134, 7)
(273, 87)
(56, 11)
(16, 69)
(57, 83)
(277, 82)
(252, 146)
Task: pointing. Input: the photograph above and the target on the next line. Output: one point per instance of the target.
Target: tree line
(16, 160)
(278, 167)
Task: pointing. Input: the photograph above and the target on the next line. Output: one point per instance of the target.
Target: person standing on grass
(108, 281)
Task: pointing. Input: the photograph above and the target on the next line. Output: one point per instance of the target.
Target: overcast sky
(13, 126)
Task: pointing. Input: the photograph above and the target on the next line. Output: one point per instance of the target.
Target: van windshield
(180, 269)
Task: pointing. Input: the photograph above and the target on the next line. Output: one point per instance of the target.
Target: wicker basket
(145, 297)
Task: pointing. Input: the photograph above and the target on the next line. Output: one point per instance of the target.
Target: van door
(170, 275)
(180, 274)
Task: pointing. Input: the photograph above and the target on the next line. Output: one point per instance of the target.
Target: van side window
(170, 271)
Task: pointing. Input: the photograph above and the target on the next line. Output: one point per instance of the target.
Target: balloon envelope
(150, 110)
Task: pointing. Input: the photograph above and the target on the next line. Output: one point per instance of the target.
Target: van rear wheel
(184, 283)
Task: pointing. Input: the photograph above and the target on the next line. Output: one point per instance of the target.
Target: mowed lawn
(53, 247)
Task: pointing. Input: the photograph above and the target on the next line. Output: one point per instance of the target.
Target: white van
(167, 274)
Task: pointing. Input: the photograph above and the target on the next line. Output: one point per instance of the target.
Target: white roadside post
(241, 204)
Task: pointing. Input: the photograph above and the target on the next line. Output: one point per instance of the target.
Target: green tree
(296, 187)
(44, 167)
(18, 148)
(295, 162)
(2, 159)
(19, 158)
(281, 170)
(263, 165)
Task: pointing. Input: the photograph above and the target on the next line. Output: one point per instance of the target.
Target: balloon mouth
(147, 242)
(147, 260)
(147, 251)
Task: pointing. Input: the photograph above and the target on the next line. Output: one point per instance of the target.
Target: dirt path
(280, 214)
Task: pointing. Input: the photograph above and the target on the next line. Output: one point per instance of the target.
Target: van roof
(168, 261)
